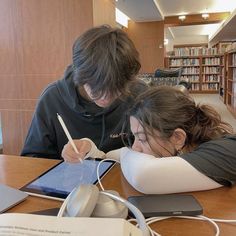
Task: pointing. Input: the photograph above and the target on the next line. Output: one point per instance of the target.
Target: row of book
(233, 98)
(211, 61)
(195, 87)
(195, 51)
(210, 78)
(191, 70)
(205, 87)
(210, 86)
(187, 51)
(211, 70)
(234, 59)
(234, 75)
(190, 78)
(209, 51)
(184, 62)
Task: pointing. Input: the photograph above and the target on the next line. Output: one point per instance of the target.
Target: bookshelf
(231, 82)
(201, 67)
(222, 82)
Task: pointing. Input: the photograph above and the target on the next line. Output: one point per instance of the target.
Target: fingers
(69, 154)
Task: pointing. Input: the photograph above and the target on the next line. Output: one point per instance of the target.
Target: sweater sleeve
(151, 175)
(96, 153)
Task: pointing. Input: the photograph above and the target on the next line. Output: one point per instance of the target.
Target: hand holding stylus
(70, 151)
(69, 154)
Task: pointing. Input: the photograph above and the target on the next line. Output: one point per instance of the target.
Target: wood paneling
(78, 17)
(35, 45)
(148, 38)
(196, 19)
(11, 129)
(8, 61)
(10, 86)
(104, 12)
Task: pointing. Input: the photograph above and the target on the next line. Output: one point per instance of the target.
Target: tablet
(60, 180)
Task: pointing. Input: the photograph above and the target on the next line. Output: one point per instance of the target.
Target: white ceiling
(156, 10)
(140, 10)
(176, 7)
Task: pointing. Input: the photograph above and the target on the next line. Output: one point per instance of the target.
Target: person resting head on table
(178, 146)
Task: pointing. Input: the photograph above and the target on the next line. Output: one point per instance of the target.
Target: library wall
(148, 38)
(104, 12)
(35, 43)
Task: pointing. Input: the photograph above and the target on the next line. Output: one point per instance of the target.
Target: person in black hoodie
(92, 97)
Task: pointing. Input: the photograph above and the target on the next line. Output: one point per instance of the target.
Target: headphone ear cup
(109, 208)
(82, 201)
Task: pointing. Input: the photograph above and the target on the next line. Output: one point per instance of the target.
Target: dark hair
(166, 108)
(105, 59)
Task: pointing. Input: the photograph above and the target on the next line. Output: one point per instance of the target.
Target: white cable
(98, 177)
(144, 223)
(64, 204)
(224, 221)
(136, 212)
(200, 217)
(211, 221)
(152, 232)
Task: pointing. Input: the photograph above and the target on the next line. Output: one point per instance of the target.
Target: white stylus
(68, 135)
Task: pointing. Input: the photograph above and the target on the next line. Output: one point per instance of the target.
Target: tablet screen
(61, 179)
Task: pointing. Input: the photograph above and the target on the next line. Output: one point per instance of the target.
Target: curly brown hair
(166, 108)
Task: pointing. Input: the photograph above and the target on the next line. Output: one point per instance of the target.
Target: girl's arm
(151, 175)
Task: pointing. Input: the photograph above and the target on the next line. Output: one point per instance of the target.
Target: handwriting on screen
(63, 178)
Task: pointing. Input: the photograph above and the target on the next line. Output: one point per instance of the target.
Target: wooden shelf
(231, 82)
(206, 65)
(204, 91)
(198, 70)
(212, 82)
(209, 91)
(192, 57)
(186, 66)
(218, 55)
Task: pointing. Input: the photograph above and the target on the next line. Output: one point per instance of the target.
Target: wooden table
(219, 203)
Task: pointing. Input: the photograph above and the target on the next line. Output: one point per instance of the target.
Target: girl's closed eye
(141, 138)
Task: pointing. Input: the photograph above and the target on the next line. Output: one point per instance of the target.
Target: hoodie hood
(75, 101)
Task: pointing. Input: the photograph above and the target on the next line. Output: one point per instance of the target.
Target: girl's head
(164, 121)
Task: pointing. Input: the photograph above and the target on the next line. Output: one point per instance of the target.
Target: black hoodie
(46, 137)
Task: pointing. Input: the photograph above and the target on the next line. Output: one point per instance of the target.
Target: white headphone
(86, 200)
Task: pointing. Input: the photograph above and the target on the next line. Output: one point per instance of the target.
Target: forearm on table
(96, 153)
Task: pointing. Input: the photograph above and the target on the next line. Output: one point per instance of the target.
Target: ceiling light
(182, 18)
(205, 16)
